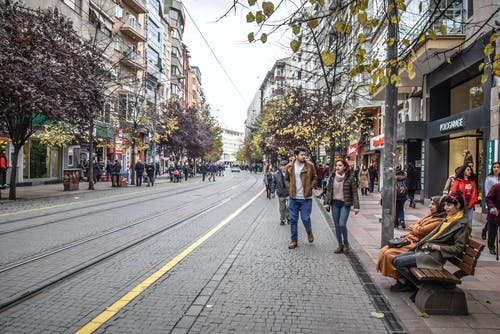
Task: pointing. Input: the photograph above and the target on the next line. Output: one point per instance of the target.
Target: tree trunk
(391, 97)
(90, 173)
(132, 165)
(13, 173)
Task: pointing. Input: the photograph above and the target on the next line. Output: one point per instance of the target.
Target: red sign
(118, 142)
(353, 150)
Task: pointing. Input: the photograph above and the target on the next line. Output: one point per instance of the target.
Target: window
(153, 57)
(175, 34)
(132, 21)
(470, 8)
(74, 4)
(154, 32)
(174, 15)
(175, 89)
(119, 11)
(118, 43)
(155, 5)
(466, 96)
(279, 72)
(175, 71)
(175, 52)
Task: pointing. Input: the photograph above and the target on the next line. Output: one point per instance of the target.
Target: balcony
(138, 6)
(133, 59)
(134, 31)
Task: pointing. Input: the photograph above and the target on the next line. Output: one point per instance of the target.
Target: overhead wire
(215, 56)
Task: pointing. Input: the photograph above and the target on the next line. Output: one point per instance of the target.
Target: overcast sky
(246, 64)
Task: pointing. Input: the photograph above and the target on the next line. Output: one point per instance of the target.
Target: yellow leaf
(488, 49)
(432, 34)
(409, 67)
(295, 45)
(484, 78)
(421, 38)
(263, 37)
(384, 81)
(406, 42)
(420, 7)
(363, 18)
(412, 75)
(442, 29)
(361, 38)
(259, 17)
(448, 60)
(348, 29)
(252, 2)
(390, 41)
(493, 38)
(395, 79)
(251, 37)
(481, 66)
(268, 8)
(296, 29)
(340, 26)
(328, 58)
(250, 17)
(313, 23)
(395, 19)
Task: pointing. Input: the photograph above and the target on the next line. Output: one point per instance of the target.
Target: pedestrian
(373, 177)
(493, 204)
(186, 171)
(464, 181)
(203, 169)
(417, 231)
(96, 171)
(401, 195)
(300, 178)
(445, 241)
(269, 181)
(320, 171)
(139, 173)
(281, 190)
(492, 179)
(364, 178)
(341, 195)
(109, 168)
(4, 164)
(150, 170)
(411, 183)
(115, 174)
(213, 171)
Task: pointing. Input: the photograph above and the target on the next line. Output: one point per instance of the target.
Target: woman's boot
(339, 249)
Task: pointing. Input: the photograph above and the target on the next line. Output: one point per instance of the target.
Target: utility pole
(391, 99)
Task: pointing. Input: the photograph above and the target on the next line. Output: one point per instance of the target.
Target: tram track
(29, 292)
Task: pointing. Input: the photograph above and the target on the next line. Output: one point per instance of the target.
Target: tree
(48, 74)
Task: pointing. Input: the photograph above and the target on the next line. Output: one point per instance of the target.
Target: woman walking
(464, 181)
(364, 180)
(341, 194)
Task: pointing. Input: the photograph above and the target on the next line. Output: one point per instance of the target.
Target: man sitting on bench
(447, 240)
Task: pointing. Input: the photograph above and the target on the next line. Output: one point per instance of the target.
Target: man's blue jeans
(340, 213)
(403, 263)
(303, 206)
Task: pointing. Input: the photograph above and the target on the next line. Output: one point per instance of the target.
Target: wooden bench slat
(466, 263)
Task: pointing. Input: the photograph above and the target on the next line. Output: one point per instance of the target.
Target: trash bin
(71, 179)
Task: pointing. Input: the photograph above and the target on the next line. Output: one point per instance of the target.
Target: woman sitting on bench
(445, 241)
(418, 230)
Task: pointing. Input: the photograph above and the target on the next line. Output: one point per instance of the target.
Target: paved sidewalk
(482, 289)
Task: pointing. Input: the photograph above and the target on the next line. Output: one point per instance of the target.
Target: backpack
(401, 189)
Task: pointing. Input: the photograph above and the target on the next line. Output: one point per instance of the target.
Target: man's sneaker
(310, 237)
(292, 245)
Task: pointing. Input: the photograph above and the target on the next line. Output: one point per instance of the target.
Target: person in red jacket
(493, 219)
(464, 181)
(4, 164)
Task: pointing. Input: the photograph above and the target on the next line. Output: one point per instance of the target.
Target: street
(178, 257)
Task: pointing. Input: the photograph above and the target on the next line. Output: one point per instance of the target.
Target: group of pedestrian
(294, 182)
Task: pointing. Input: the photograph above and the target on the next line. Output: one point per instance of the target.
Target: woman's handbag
(397, 242)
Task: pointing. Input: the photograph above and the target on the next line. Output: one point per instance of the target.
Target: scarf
(338, 187)
(447, 222)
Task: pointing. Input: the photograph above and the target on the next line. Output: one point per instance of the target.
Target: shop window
(466, 96)
(40, 161)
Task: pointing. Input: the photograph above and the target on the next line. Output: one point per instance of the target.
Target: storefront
(458, 108)
(40, 162)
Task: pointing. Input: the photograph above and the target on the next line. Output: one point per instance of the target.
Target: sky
(246, 64)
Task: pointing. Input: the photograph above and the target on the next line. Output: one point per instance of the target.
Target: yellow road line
(107, 314)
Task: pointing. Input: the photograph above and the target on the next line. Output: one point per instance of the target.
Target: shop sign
(491, 153)
(452, 125)
(118, 142)
(376, 143)
(353, 150)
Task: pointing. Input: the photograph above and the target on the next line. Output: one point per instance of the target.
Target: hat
(284, 162)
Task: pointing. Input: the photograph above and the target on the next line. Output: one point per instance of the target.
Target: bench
(438, 293)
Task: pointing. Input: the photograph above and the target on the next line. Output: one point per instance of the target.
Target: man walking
(282, 192)
(139, 173)
(373, 176)
(300, 178)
